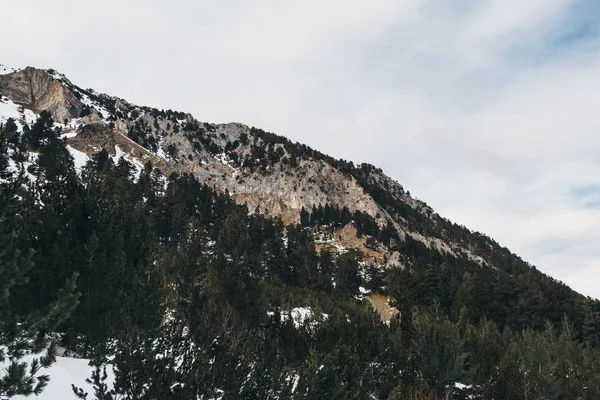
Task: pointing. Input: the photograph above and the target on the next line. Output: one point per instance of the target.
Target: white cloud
(481, 108)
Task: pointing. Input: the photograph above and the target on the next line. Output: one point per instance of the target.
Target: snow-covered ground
(161, 153)
(79, 158)
(64, 373)
(8, 109)
(325, 238)
(119, 153)
(85, 99)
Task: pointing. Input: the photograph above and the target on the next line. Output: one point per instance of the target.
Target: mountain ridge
(223, 261)
(225, 155)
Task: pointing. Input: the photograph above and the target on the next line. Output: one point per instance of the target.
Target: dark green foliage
(40, 133)
(141, 133)
(436, 351)
(195, 298)
(23, 330)
(347, 273)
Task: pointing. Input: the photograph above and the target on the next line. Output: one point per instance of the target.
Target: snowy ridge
(84, 97)
(5, 70)
(226, 157)
(59, 77)
(104, 113)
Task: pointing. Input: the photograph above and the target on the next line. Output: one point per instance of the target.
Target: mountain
(159, 213)
(262, 170)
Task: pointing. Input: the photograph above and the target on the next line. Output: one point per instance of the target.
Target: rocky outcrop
(268, 173)
(38, 90)
(279, 190)
(98, 135)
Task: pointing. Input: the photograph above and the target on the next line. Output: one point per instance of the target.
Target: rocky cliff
(38, 90)
(267, 172)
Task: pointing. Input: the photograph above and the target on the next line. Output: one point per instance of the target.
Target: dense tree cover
(518, 300)
(349, 355)
(24, 346)
(419, 219)
(190, 297)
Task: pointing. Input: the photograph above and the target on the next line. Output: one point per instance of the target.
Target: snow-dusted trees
(23, 332)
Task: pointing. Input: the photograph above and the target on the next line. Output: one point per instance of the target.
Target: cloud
(487, 110)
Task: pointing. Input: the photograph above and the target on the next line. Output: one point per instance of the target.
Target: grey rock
(39, 91)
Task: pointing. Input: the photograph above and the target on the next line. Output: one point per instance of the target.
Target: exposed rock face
(38, 90)
(266, 172)
(381, 304)
(99, 135)
(280, 190)
(284, 190)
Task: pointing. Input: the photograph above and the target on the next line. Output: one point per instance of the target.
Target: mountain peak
(38, 90)
(266, 172)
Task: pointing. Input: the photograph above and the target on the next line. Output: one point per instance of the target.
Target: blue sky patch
(589, 195)
(580, 24)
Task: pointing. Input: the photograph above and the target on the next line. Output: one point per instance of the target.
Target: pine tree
(304, 217)
(591, 325)
(347, 277)
(568, 354)
(40, 132)
(326, 269)
(485, 344)
(23, 335)
(436, 350)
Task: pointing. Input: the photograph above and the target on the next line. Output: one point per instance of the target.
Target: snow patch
(327, 239)
(64, 373)
(161, 153)
(362, 290)
(80, 159)
(21, 115)
(119, 153)
(462, 386)
(5, 69)
(68, 135)
(85, 99)
(300, 315)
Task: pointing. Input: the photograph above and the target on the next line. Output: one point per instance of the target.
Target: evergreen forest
(185, 295)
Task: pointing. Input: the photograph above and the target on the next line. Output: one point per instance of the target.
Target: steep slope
(189, 294)
(37, 90)
(265, 171)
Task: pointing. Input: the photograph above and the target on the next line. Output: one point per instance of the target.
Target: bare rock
(98, 135)
(38, 90)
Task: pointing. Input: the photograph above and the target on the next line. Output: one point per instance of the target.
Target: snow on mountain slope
(21, 115)
(119, 153)
(266, 172)
(8, 109)
(299, 315)
(79, 158)
(5, 69)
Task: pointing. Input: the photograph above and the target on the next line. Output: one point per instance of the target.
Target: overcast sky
(488, 110)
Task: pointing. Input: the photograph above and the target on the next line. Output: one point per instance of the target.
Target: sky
(487, 110)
